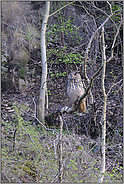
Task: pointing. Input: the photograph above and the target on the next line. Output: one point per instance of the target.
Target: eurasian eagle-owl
(75, 90)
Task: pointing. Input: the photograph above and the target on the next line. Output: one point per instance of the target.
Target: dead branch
(93, 5)
(114, 84)
(48, 129)
(88, 47)
(112, 50)
(91, 39)
(61, 8)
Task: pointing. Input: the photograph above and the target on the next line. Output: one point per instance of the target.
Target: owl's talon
(64, 109)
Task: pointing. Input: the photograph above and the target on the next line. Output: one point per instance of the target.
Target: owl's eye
(75, 73)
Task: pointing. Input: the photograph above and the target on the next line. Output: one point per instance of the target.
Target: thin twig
(113, 86)
(112, 50)
(91, 39)
(35, 107)
(55, 148)
(28, 134)
(92, 4)
(61, 8)
(57, 175)
(48, 129)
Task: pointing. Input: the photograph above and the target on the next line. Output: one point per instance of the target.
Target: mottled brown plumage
(75, 90)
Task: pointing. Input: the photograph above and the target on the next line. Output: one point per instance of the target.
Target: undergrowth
(29, 154)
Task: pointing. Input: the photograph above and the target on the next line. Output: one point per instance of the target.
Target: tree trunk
(60, 150)
(103, 112)
(41, 106)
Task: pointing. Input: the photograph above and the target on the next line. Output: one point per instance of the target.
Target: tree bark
(103, 112)
(41, 106)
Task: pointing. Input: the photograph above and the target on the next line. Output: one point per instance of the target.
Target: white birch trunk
(41, 106)
(103, 139)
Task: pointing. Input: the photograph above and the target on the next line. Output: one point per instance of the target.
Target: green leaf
(52, 75)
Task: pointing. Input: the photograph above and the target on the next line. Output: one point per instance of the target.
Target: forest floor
(30, 153)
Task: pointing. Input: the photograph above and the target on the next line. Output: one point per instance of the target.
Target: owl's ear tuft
(76, 73)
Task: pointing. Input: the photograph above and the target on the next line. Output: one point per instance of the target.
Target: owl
(75, 90)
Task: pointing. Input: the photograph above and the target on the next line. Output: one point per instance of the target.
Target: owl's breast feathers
(75, 90)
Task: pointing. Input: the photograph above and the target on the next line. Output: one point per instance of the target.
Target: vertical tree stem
(41, 106)
(60, 150)
(103, 111)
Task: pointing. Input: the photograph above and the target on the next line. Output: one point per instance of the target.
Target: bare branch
(91, 39)
(61, 8)
(35, 107)
(28, 134)
(110, 6)
(111, 57)
(88, 47)
(104, 13)
(113, 86)
(48, 129)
